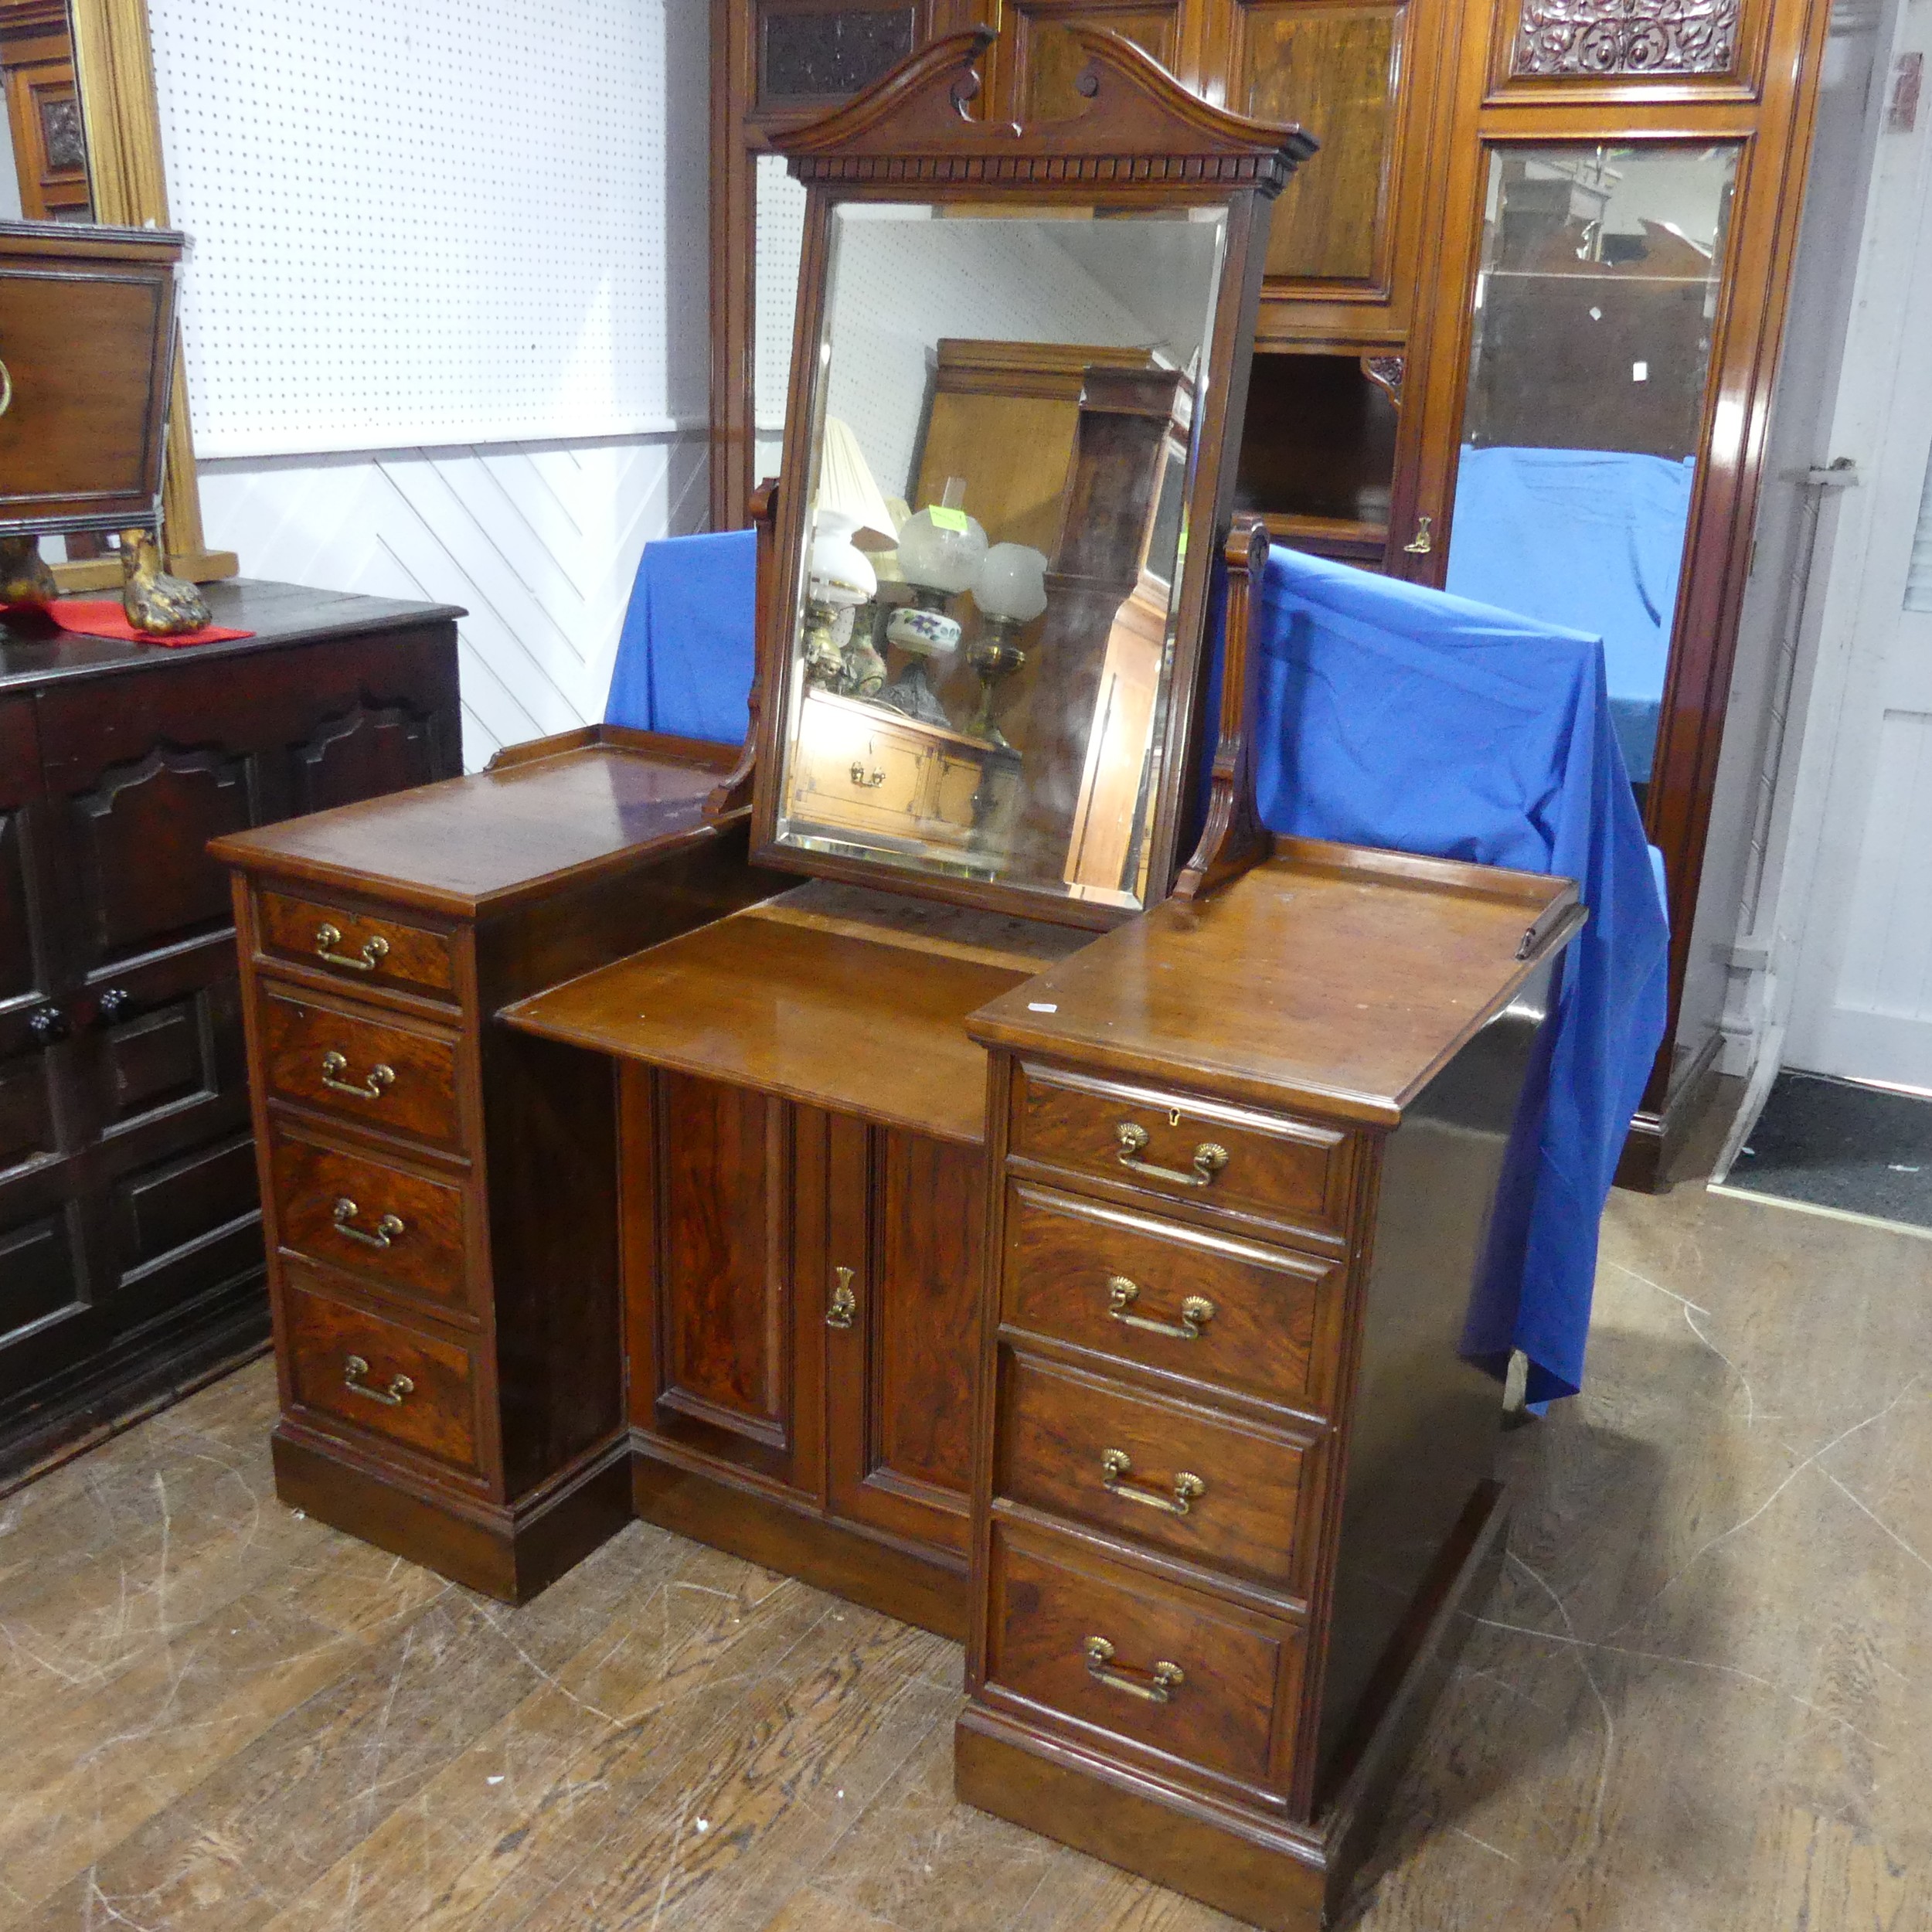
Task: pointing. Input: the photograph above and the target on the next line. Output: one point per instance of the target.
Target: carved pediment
(1138, 124)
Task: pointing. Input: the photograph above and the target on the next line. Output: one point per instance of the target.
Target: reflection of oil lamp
(847, 511)
(940, 549)
(1010, 588)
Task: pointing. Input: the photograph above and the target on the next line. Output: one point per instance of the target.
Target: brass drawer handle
(1196, 1312)
(336, 1065)
(6, 389)
(1167, 1678)
(355, 1368)
(1209, 1159)
(866, 779)
(844, 1303)
(374, 951)
(386, 1230)
(1115, 1466)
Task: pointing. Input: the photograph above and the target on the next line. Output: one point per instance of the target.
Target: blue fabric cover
(1390, 715)
(1386, 715)
(1589, 540)
(685, 657)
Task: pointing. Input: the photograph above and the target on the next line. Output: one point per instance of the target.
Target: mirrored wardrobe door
(1592, 312)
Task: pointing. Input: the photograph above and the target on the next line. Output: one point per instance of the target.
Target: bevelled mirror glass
(983, 621)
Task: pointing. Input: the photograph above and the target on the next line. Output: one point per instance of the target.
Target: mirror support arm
(730, 798)
(1234, 839)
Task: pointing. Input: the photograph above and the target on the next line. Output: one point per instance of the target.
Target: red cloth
(104, 618)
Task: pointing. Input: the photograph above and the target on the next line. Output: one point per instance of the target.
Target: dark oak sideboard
(130, 1256)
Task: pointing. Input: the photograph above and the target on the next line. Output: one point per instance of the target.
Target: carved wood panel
(26, 1111)
(812, 53)
(363, 753)
(157, 1059)
(1047, 61)
(164, 1213)
(141, 839)
(1334, 69)
(723, 1211)
(20, 969)
(1609, 37)
(39, 1277)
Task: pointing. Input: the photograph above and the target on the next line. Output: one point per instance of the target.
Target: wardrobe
(1519, 327)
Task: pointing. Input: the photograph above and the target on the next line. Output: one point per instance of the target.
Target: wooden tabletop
(875, 1027)
(1332, 977)
(33, 651)
(470, 846)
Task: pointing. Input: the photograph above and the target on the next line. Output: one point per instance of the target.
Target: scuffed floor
(1701, 1697)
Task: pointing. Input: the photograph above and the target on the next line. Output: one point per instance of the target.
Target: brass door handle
(1115, 1466)
(386, 1230)
(1209, 1159)
(375, 950)
(1424, 541)
(864, 779)
(336, 1065)
(844, 1302)
(1196, 1312)
(6, 389)
(355, 1368)
(1166, 1677)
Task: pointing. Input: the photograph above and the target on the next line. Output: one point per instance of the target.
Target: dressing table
(1039, 1238)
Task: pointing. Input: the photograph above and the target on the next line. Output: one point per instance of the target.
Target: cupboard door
(902, 1364)
(45, 1313)
(708, 1214)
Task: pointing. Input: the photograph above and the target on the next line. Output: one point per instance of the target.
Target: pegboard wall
(479, 221)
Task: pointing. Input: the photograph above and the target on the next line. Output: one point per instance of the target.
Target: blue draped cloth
(1589, 540)
(1390, 715)
(684, 656)
(1386, 715)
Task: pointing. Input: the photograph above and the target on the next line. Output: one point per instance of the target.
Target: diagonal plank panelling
(538, 541)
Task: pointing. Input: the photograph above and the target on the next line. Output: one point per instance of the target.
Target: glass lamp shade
(1011, 583)
(938, 557)
(841, 572)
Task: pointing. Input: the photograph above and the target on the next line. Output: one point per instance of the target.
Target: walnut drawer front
(1177, 1479)
(1225, 1314)
(364, 1217)
(376, 1072)
(369, 951)
(1293, 1173)
(380, 1377)
(1115, 1650)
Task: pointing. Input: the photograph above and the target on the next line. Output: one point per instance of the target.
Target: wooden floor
(1701, 1697)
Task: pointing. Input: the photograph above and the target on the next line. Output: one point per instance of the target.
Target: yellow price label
(945, 519)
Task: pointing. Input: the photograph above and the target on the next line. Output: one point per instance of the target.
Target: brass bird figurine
(157, 605)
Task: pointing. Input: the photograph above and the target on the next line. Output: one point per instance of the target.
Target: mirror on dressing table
(930, 1152)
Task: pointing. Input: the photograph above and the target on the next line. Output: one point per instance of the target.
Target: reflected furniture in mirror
(925, 1150)
(82, 163)
(1654, 156)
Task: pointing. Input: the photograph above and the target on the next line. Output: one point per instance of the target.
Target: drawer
(379, 1376)
(1179, 1479)
(1157, 1668)
(368, 950)
(1223, 1313)
(1294, 1174)
(370, 1070)
(384, 1224)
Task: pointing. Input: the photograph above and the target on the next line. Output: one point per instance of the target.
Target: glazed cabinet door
(45, 1314)
(902, 1330)
(708, 1266)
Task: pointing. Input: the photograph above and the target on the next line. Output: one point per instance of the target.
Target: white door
(1863, 1000)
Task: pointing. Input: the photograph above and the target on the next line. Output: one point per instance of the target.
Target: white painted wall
(1770, 876)
(446, 310)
